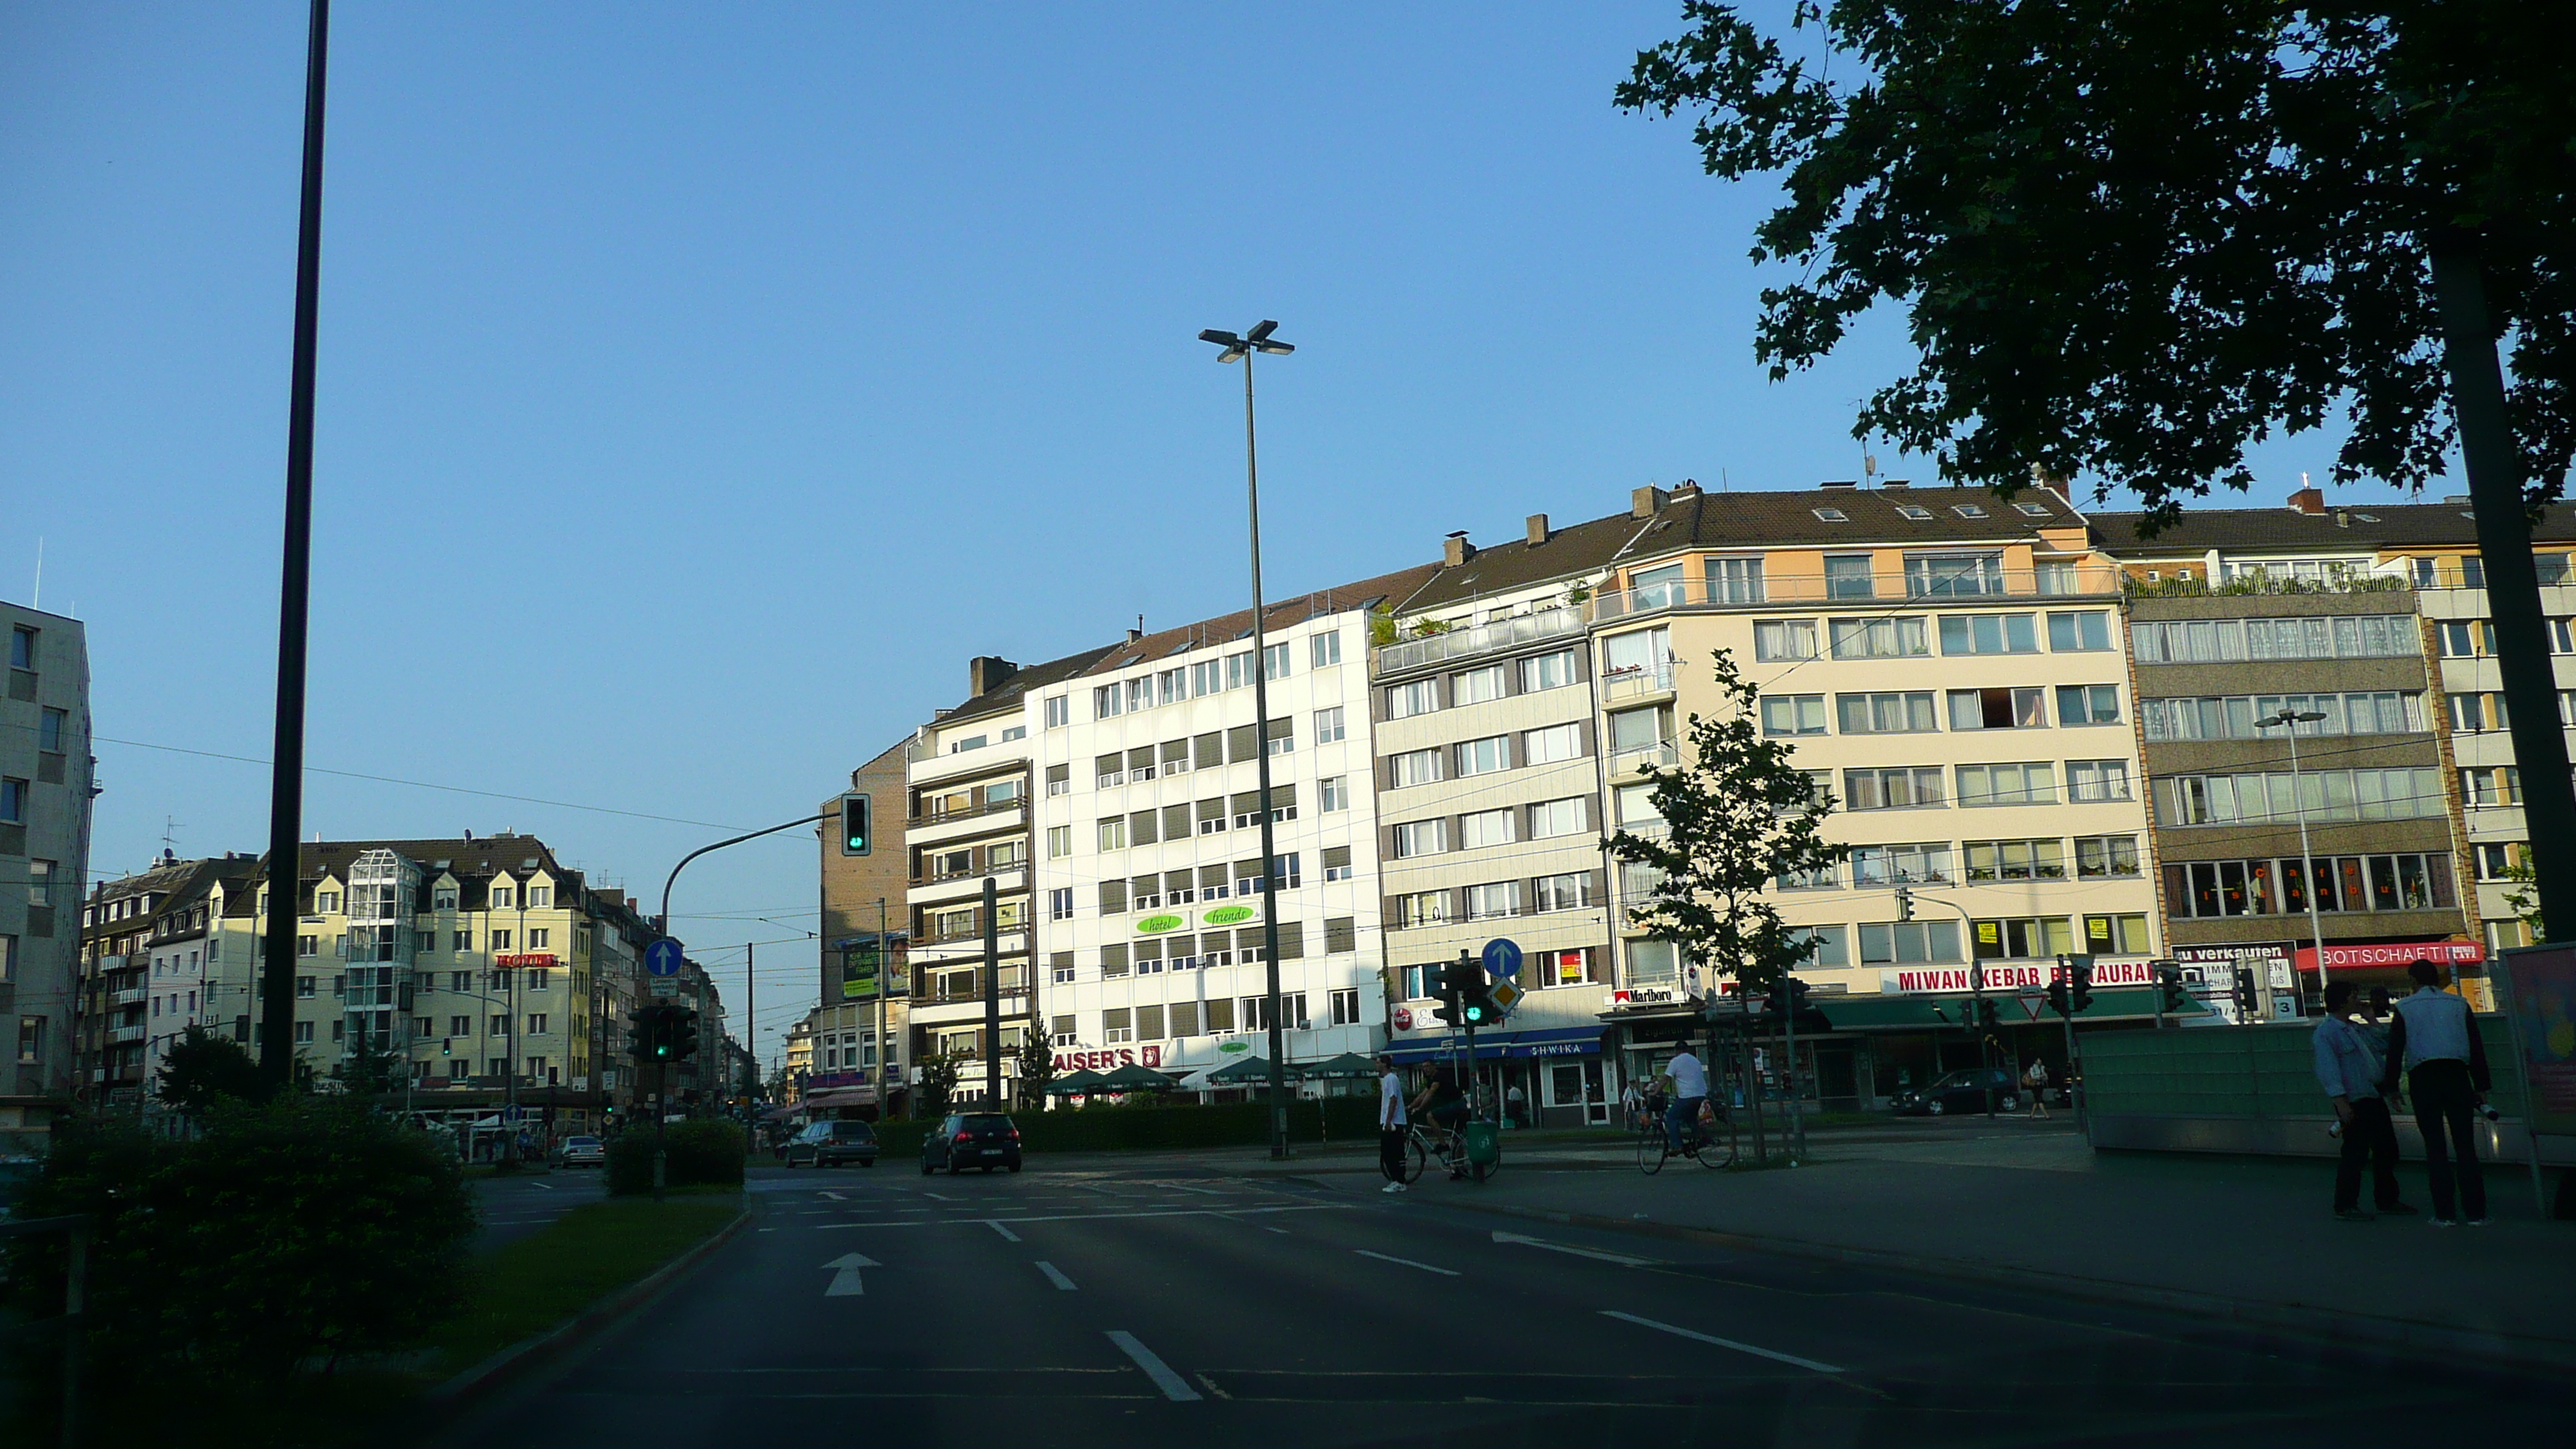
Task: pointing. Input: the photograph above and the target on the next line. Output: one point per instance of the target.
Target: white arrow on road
(1621, 1259)
(845, 1281)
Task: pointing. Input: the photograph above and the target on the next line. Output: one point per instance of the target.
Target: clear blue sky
(635, 318)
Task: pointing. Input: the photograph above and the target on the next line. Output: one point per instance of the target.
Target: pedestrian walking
(1632, 1106)
(2035, 1082)
(1516, 1105)
(2436, 1040)
(2349, 1068)
(1390, 1124)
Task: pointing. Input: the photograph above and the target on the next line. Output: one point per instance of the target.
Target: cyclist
(1443, 1105)
(1690, 1090)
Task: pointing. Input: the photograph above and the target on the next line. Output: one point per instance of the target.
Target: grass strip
(527, 1286)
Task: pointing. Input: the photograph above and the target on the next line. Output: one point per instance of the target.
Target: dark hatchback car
(830, 1144)
(1961, 1093)
(971, 1139)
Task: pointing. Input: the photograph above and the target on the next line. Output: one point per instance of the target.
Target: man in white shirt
(1690, 1089)
(1390, 1124)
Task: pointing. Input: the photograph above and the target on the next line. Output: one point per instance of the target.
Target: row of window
(1172, 1020)
(1478, 829)
(1194, 681)
(1205, 883)
(1932, 943)
(2072, 631)
(2094, 857)
(1574, 966)
(2021, 782)
(2475, 638)
(1240, 811)
(2248, 716)
(2287, 886)
(2271, 799)
(2475, 713)
(1914, 712)
(1553, 670)
(2471, 571)
(1175, 757)
(2208, 641)
(364, 943)
(1552, 745)
(1494, 900)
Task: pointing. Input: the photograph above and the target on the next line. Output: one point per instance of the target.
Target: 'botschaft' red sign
(2395, 953)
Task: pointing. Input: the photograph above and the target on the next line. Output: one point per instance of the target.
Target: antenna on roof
(169, 832)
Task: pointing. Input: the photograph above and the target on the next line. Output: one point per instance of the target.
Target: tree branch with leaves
(1738, 816)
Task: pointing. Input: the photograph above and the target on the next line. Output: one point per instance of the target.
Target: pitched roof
(1011, 691)
(1385, 589)
(2349, 527)
(1583, 548)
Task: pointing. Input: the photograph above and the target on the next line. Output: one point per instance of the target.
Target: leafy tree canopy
(202, 1068)
(2132, 238)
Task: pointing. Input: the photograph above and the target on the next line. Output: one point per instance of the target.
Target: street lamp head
(1257, 340)
(1261, 331)
(1226, 340)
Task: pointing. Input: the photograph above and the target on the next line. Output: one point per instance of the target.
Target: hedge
(1157, 1126)
(704, 1150)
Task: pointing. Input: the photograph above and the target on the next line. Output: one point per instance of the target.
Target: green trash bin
(1484, 1146)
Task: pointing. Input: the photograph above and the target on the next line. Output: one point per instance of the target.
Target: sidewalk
(2030, 1205)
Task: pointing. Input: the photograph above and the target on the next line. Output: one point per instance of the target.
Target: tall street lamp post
(1241, 349)
(2289, 720)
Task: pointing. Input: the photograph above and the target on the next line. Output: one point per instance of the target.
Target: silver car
(581, 1152)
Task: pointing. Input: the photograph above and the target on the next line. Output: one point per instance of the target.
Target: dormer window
(443, 899)
(326, 901)
(501, 898)
(1969, 510)
(1915, 511)
(540, 897)
(1833, 515)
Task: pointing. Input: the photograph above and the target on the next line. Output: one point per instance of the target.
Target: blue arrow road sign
(1503, 956)
(662, 958)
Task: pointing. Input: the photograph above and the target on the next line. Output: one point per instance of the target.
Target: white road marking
(1007, 1235)
(834, 1196)
(1788, 1358)
(1174, 1387)
(1185, 1187)
(845, 1276)
(1407, 1262)
(1058, 1279)
(943, 1197)
(1621, 1259)
(1207, 1212)
(544, 1186)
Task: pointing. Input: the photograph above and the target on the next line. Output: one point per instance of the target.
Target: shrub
(700, 1151)
(303, 1229)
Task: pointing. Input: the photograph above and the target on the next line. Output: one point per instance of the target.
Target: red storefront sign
(1108, 1060)
(2395, 954)
(2009, 976)
(533, 958)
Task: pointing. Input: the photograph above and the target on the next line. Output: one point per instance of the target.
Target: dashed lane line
(1007, 1235)
(1055, 1277)
(1174, 1387)
(1775, 1356)
(1407, 1262)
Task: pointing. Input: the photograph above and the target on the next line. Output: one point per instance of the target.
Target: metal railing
(1637, 680)
(1931, 586)
(932, 815)
(1482, 639)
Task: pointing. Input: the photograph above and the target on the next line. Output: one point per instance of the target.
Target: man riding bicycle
(1442, 1104)
(1689, 1090)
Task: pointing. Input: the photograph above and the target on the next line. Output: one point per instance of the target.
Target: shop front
(2369, 964)
(1542, 1076)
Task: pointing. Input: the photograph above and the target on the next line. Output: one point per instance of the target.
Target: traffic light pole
(2066, 1014)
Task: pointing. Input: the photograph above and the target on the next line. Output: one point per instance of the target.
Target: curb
(2329, 1326)
(453, 1397)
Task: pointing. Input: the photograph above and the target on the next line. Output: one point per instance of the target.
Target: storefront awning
(1557, 1041)
(839, 1097)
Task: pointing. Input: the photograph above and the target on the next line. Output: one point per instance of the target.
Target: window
(2496, 860)
(2492, 785)
(1793, 714)
(1878, 638)
(1337, 862)
(1060, 904)
(1847, 576)
(1989, 634)
(1902, 788)
(1657, 588)
(303, 1031)
(1346, 1006)
(1551, 818)
(1547, 671)
(1113, 833)
(1735, 581)
(1416, 838)
(49, 730)
(1969, 510)
(1829, 954)
(460, 981)
(1484, 756)
(1820, 878)
(1425, 908)
(1831, 515)
(1569, 892)
(1117, 1025)
(1494, 901)
(2183, 800)
(2089, 629)
(501, 941)
(1953, 575)
(536, 1023)
(22, 647)
(2373, 636)
(1784, 639)
(40, 882)
(1333, 793)
(1886, 714)
(1059, 712)
(1476, 686)
(1404, 701)
(460, 1026)
(1636, 804)
(1283, 737)
(1059, 841)
(2088, 704)
(2057, 576)
(1323, 649)
(502, 899)
(1483, 828)
(541, 898)
(1328, 722)
(2126, 935)
(1927, 862)
(1914, 511)
(2022, 938)
(1641, 651)
(1909, 943)
(2090, 780)
(2237, 717)
(1552, 745)
(2034, 783)
(1998, 709)
(1990, 860)
(2099, 856)
(2471, 713)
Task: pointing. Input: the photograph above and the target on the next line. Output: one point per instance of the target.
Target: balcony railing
(1637, 680)
(1660, 756)
(1926, 585)
(1482, 639)
(934, 814)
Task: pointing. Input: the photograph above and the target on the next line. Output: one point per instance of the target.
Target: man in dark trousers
(2348, 1067)
(1390, 1124)
(2445, 1061)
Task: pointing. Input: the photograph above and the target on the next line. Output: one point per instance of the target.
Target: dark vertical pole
(2513, 580)
(1261, 767)
(286, 786)
(992, 997)
(750, 1024)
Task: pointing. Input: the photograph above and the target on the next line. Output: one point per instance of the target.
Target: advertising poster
(2542, 980)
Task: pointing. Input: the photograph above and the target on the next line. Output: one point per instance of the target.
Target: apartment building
(862, 894)
(967, 818)
(46, 783)
(144, 965)
(1950, 668)
(1488, 784)
(1150, 886)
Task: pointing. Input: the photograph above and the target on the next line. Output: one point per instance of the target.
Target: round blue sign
(1503, 956)
(662, 958)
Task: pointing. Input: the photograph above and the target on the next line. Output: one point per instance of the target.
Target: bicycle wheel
(1414, 1157)
(1650, 1152)
(1716, 1152)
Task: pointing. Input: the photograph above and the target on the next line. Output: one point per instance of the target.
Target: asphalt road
(1108, 1307)
(517, 1205)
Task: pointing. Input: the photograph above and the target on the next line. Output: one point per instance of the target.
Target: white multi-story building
(45, 789)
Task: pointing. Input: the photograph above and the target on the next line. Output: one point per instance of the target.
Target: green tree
(1036, 1067)
(1738, 816)
(202, 1068)
(367, 1074)
(938, 1080)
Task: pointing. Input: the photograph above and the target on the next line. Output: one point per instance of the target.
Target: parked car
(971, 1139)
(830, 1144)
(1961, 1092)
(581, 1152)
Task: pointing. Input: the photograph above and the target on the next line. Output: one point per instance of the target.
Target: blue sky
(701, 385)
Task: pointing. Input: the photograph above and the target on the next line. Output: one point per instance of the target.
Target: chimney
(985, 673)
(1457, 550)
(1537, 529)
(1135, 634)
(1646, 502)
(2310, 499)
(1689, 489)
(2343, 518)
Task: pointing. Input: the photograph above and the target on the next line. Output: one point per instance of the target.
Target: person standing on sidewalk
(2035, 1082)
(2436, 1039)
(2349, 1067)
(1390, 1124)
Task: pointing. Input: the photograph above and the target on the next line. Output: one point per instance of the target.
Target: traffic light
(2170, 990)
(1475, 994)
(1987, 1020)
(1904, 903)
(2057, 997)
(2247, 1002)
(1446, 978)
(681, 1036)
(857, 838)
(447, 1046)
(2079, 972)
(649, 1038)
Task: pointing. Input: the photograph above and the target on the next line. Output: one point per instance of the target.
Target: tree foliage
(1740, 815)
(203, 1068)
(1036, 1067)
(938, 1080)
(2130, 239)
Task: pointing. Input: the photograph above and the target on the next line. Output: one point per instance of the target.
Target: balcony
(1482, 639)
(1921, 580)
(131, 996)
(127, 1035)
(1663, 755)
(1637, 682)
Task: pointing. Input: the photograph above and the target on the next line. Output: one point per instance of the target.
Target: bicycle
(1700, 1144)
(1425, 1141)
